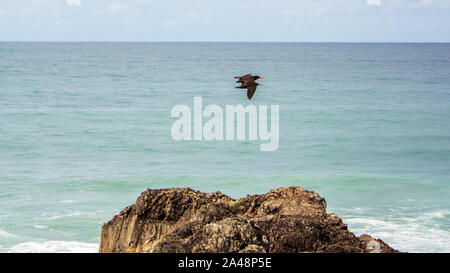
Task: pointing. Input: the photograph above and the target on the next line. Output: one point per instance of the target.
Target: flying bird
(248, 82)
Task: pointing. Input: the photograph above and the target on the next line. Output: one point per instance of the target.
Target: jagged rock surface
(183, 220)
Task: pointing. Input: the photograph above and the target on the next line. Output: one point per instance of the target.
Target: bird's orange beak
(261, 77)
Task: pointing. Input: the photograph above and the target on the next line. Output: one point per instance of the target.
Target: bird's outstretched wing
(243, 78)
(251, 91)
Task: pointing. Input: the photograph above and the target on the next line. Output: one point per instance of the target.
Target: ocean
(86, 127)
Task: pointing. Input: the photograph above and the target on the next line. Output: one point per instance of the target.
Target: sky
(227, 20)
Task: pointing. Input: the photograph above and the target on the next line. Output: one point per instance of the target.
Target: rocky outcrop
(183, 220)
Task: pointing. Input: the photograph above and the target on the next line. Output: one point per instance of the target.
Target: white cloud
(116, 7)
(374, 2)
(425, 2)
(318, 12)
(73, 2)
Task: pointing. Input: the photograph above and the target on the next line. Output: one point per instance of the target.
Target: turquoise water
(85, 128)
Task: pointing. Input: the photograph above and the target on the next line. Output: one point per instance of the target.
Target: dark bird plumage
(248, 76)
(248, 82)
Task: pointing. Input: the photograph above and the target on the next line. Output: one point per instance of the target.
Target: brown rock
(184, 221)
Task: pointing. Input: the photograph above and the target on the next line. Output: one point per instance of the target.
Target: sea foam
(54, 247)
(406, 234)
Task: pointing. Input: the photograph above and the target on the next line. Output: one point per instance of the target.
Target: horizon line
(144, 41)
